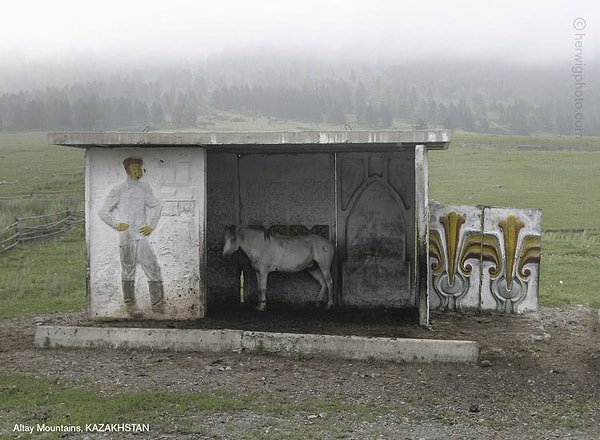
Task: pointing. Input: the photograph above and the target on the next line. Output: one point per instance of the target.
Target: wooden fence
(31, 229)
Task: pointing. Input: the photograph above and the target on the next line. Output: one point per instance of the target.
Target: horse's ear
(230, 230)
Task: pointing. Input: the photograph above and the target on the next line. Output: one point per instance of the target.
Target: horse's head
(231, 241)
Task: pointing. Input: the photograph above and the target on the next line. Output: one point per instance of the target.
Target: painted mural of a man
(132, 209)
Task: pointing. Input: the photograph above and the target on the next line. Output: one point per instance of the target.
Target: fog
(502, 67)
(122, 31)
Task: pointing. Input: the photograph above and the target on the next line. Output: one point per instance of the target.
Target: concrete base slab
(344, 347)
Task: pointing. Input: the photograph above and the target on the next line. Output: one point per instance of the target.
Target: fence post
(33, 233)
(68, 219)
(17, 232)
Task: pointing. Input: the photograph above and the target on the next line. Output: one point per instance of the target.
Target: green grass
(233, 122)
(33, 401)
(563, 184)
(44, 278)
(570, 269)
(28, 163)
(37, 178)
(547, 142)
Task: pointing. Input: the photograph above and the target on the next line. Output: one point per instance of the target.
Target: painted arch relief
(375, 229)
(484, 258)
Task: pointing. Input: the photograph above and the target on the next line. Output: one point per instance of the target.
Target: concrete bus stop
(366, 191)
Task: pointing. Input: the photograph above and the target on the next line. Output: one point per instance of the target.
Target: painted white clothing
(134, 252)
(134, 203)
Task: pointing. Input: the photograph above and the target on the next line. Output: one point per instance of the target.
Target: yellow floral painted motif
(436, 250)
(531, 252)
(456, 252)
(484, 247)
(510, 228)
(452, 224)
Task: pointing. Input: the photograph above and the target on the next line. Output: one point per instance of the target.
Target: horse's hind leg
(318, 275)
(329, 283)
(262, 290)
(325, 274)
(323, 256)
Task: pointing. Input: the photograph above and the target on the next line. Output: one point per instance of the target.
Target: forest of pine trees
(502, 100)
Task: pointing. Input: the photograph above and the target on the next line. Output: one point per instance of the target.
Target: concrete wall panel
(222, 211)
(176, 177)
(484, 258)
(519, 232)
(375, 194)
(456, 281)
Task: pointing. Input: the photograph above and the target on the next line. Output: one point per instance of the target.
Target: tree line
(52, 110)
(502, 100)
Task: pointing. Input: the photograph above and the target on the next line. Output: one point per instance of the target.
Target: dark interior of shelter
(362, 202)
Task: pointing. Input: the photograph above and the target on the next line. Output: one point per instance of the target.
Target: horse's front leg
(262, 290)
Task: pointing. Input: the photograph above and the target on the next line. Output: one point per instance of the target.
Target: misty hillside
(488, 97)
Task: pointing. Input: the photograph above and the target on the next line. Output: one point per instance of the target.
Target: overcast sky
(522, 30)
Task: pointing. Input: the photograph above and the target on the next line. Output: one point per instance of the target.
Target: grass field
(44, 278)
(36, 178)
(476, 170)
(561, 183)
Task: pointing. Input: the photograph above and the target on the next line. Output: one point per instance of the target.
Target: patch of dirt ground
(538, 377)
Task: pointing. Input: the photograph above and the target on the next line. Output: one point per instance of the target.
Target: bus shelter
(157, 204)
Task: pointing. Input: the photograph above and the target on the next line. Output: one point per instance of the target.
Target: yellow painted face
(135, 171)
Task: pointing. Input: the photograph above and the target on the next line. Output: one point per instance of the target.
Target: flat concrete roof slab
(343, 347)
(287, 141)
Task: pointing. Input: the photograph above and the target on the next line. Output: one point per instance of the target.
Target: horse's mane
(267, 234)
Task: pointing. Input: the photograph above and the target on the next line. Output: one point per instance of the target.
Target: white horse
(270, 252)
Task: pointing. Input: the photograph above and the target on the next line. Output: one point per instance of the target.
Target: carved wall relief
(485, 258)
(376, 229)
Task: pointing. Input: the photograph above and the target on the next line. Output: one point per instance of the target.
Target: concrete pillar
(422, 233)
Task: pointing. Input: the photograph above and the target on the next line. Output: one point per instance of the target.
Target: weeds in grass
(262, 349)
(372, 360)
(300, 356)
